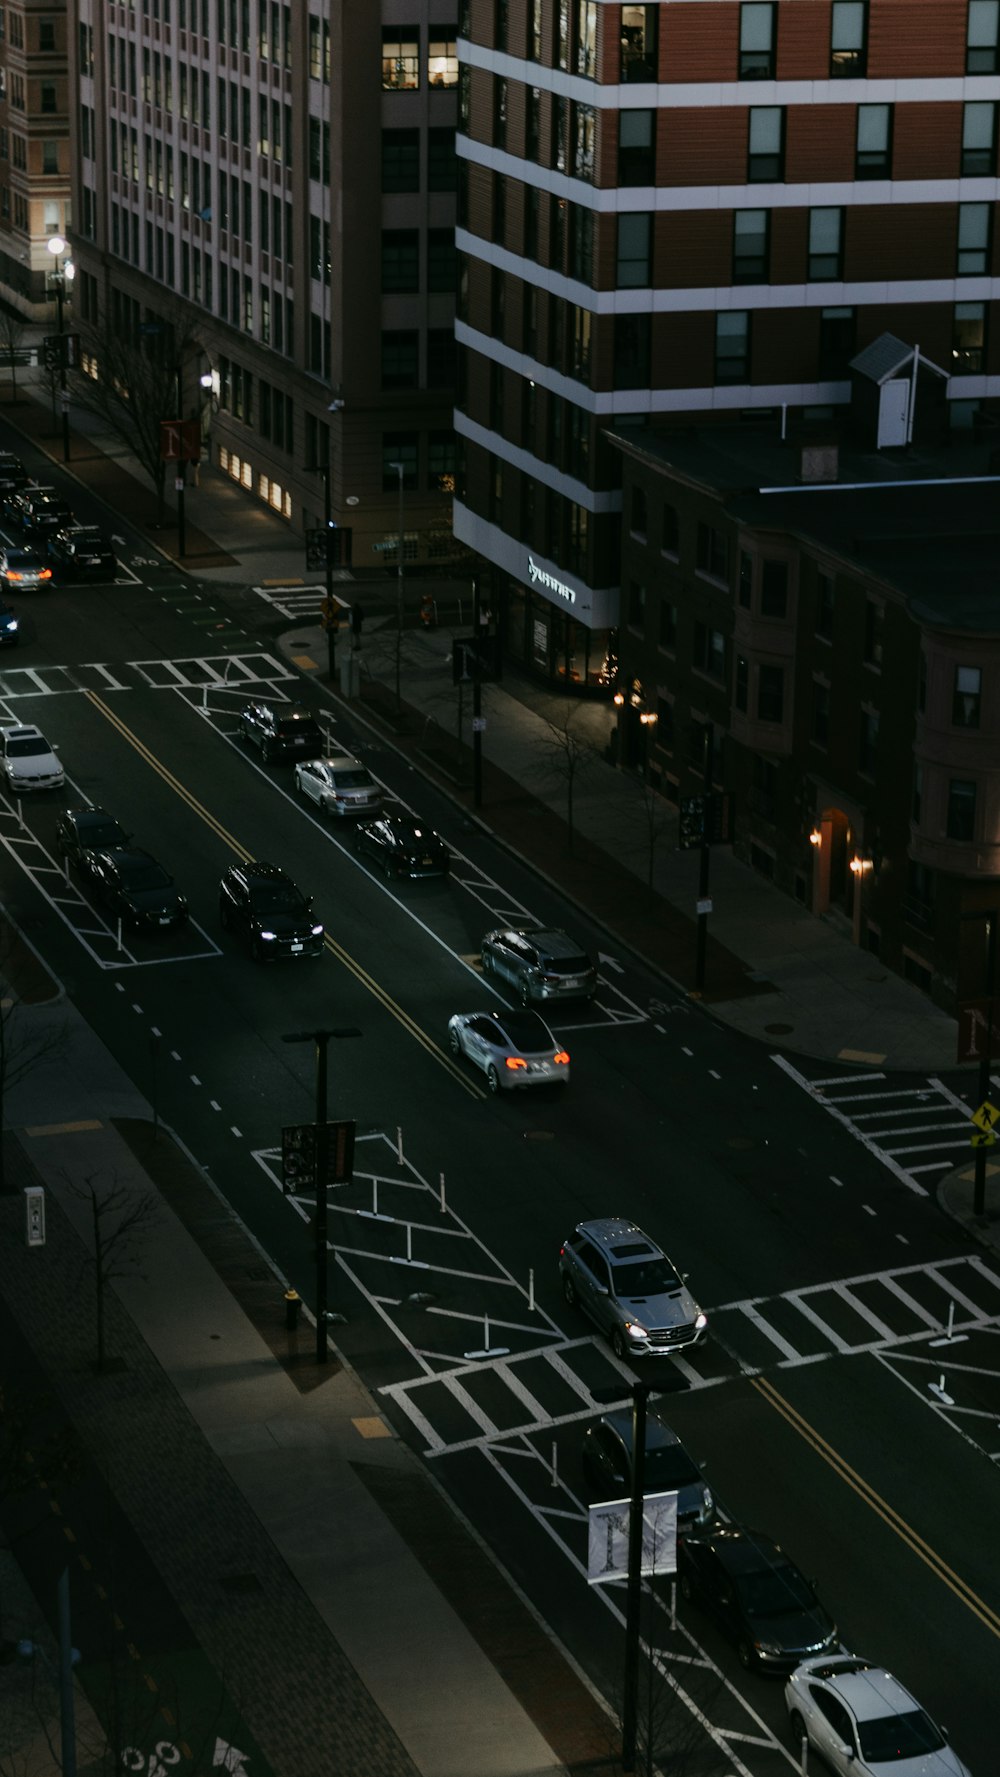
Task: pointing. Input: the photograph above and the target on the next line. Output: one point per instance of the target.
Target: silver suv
(617, 1275)
(546, 965)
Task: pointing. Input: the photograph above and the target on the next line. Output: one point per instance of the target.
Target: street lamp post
(58, 279)
(400, 471)
(321, 1040)
(991, 916)
(68, 1658)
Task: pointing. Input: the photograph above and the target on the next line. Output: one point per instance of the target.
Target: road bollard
(293, 1308)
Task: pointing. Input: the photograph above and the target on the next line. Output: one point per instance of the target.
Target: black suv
(83, 832)
(43, 513)
(281, 731)
(82, 552)
(273, 916)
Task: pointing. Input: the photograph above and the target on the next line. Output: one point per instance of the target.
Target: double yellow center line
(989, 1618)
(349, 962)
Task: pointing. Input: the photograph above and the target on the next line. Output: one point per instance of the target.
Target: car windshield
(101, 838)
(352, 780)
(22, 558)
(298, 725)
(32, 748)
(772, 1591)
(669, 1469)
(565, 965)
(646, 1277)
(145, 874)
(283, 898)
(525, 1030)
(890, 1737)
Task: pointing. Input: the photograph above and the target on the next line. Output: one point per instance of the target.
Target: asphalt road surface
(821, 1258)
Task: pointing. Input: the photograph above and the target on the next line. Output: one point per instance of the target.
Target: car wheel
(687, 1588)
(569, 1291)
(797, 1730)
(492, 1078)
(454, 1043)
(745, 1654)
(225, 917)
(618, 1343)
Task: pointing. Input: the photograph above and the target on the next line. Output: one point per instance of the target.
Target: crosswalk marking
(195, 672)
(768, 1331)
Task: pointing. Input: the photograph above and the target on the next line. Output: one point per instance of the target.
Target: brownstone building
(34, 150)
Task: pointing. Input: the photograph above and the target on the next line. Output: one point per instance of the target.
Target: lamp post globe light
(63, 274)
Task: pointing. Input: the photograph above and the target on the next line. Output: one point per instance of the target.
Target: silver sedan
(514, 1049)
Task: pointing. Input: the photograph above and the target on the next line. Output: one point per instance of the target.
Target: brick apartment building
(698, 213)
(275, 184)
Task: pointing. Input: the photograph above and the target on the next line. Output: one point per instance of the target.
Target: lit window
(400, 57)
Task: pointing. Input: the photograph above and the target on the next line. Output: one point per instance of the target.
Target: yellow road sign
(983, 1138)
(987, 1115)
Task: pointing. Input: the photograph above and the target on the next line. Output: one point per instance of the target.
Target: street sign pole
(633, 1590)
(985, 1061)
(477, 704)
(706, 852)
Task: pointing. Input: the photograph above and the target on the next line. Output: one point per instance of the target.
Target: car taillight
(45, 574)
(562, 1059)
(514, 1062)
(11, 575)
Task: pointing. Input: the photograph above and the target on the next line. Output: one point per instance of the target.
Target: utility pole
(400, 470)
(633, 1594)
(706, 852)
(321, 1040)
(477, 701)
(180, 481)
(57, 247)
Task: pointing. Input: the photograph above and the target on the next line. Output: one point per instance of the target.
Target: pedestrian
(357, 619)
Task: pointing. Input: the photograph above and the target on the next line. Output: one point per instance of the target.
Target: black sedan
(761, 1600)
(401, 845)
(81, 552)
(83, 832)
(138, 890)
(271, 914)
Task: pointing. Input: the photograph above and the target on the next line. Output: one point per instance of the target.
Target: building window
(712, 556)
(632, 266)
(741, 684)
(400, 57)
(848, 39)
(50, 150)
(873, 146)
(400, 259)
(961, 809)
(745, 584)
(400, 160)
(638, 512)
(670, 531)
(47, 92)
(732, 346)
(46, 35)
(965, 700)
(632, 352)
(636, 605)
(668, 625)
(826, 243)
(979, 138)
(874, 627)
(441, 460)
(441, 161)
(442, 56)
(968, 338)
(499, 112)
(983, 37)
(532, 122)
(757, 40)
(399, 447)
(534, 30)
(770, 693)
(766, 144)
(441, 259)
(751, 246)
(709, 651)
(973, 239)
(636, 148)
(868, 743)
(638, 44)
(441, 358)
(584, 121)
(773, 588)
(586, 38)
(399, 360)
(837, 341)
(821, 713)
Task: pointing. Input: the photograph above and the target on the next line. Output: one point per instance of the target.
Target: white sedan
(28, 761)
(340, 785)
(514, 1049)
(864, 1722)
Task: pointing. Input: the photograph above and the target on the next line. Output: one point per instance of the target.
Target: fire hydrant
(293, 1307)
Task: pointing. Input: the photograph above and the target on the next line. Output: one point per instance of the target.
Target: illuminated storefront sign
(541, 577)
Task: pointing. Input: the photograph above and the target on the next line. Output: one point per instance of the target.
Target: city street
(822, 1259)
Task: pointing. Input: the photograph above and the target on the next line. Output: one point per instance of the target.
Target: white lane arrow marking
(230, 1758)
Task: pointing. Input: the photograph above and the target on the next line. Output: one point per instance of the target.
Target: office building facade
(274, 184)
(34, 151)
(695, 212)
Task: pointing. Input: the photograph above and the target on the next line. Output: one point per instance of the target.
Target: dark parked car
(42, 512)
(82, 552)
(759, 1597)
(607, 1458)
(270, 913)
(23, 569)
(83, 832)
(138, 889)
(281, 731)
(402, 846)
(10, 502)
(12, 470)
(9, 626)
(546, 965)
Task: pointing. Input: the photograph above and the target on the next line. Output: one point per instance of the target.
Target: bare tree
(132, 384)
(570, 755)
(12, 327)
(121, 1216)
(657, 818)
(23, 1044)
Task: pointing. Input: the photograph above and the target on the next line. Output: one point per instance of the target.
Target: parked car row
(128, 881)
(40, 537)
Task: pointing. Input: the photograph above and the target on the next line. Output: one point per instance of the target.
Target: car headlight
(182, 903)
(11, 626)
(268, 937)
(634, 1330)
(701, 1322)
(772, 1648)
(707, 1503)
(317, 931)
